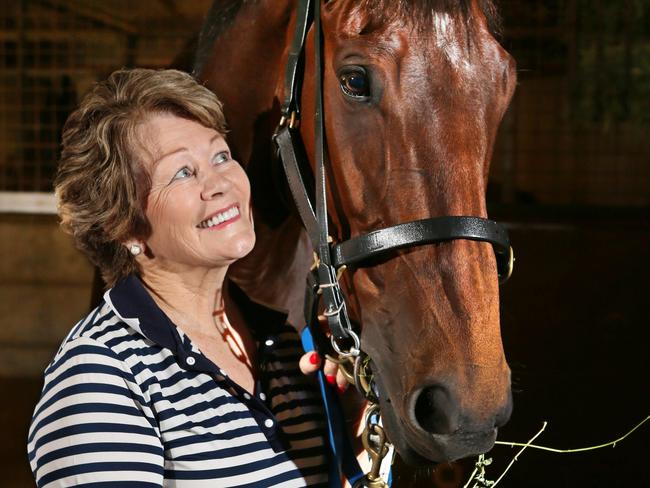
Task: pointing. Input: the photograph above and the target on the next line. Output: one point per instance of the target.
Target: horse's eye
(355, 84)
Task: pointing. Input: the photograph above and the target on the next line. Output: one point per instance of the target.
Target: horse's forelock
(420, 12)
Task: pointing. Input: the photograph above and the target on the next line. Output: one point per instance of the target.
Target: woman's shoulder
(100, 335)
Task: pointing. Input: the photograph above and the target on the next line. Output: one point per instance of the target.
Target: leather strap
(335, 308)
(319, 136)
(291, 151)
(293, 82)
(418, 232)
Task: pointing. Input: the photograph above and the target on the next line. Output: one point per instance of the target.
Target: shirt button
(190, 360)
(269, 342)
(268, 423)
(247, 396)
(262, 396)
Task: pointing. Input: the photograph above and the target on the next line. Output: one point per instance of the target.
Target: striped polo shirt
(129, 401)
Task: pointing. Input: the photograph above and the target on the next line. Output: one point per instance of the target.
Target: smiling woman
(198, 204)
(176, 377)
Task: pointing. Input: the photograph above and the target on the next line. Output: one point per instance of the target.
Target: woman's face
(199, 203)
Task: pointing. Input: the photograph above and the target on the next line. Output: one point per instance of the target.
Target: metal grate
(52, 51)
(576, 132)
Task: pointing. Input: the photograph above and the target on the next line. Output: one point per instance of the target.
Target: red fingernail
(331, 379)
(342, 388)
(314, 358)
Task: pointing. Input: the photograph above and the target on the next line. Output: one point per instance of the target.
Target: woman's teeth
(221, 217)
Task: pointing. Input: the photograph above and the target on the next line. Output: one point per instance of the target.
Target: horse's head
(414, 93)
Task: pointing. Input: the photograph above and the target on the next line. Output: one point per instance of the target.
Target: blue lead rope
(343, 461)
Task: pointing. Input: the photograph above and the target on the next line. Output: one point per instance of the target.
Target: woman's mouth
(221, 218)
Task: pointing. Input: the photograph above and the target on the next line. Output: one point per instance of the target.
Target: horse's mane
(222, 13)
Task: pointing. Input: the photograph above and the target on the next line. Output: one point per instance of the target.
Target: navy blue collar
(135, 306)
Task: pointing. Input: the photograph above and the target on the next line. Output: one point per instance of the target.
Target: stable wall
(542, 156)
(45, 286)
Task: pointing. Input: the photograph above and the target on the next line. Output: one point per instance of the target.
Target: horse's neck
(274, 272)
(244, 68)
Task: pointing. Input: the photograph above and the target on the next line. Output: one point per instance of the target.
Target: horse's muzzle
(437, 429)
(435, 410)
(447, 448)
(442, 431)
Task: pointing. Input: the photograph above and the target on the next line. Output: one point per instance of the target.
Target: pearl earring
(135, 249)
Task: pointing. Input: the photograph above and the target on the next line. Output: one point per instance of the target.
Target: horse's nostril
(436, 411)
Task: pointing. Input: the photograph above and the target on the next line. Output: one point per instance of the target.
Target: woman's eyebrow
(171, 153)
(183, 148)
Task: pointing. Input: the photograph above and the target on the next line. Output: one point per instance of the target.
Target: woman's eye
(355, 83)
(184, 172)
(221, 157)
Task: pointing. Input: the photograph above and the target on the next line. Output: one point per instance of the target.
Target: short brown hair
(101, 184)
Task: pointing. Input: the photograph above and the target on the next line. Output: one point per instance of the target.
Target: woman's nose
(214, 184)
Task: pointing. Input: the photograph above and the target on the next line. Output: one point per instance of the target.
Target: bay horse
(414, 91)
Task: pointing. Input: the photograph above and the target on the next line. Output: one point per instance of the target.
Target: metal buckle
(293, 120)
(375, 443)
(510, 267)
(335, 309)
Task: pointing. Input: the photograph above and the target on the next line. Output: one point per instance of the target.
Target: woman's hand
(312, 362)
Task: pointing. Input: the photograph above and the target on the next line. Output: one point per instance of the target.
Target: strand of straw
(482, 462)
(523, 448)
(581, 449)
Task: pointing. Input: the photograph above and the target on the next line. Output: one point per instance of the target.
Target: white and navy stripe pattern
(128, 401)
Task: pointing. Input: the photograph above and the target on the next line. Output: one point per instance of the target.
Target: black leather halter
(332, 256)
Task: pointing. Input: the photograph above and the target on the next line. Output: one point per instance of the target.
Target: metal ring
(363, 379)
(360, 483)
(372, 410)
(354, 351)
(357, 375)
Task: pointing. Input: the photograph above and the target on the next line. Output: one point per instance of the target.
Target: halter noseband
(354, 251)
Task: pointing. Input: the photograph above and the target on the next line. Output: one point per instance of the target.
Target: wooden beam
(27, 202)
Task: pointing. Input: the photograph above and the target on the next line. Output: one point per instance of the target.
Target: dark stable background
(574, 315)
(575, 328)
